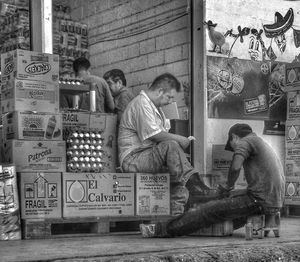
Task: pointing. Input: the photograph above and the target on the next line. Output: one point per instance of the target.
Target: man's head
(164, 89)
(81, 67)
(116, 80)
(235, 133)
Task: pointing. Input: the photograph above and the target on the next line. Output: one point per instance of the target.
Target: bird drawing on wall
(217, 38)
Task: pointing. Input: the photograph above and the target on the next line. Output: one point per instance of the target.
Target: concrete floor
(132, 247)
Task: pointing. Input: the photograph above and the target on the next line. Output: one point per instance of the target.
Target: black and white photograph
(149, 130)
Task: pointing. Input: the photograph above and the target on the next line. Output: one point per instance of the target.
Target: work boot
(199, 192)
(196, 185)
(154, 230)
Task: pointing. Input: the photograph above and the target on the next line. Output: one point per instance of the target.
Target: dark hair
(81, 63)
(168, 78)
(115, 75)
(240, 130)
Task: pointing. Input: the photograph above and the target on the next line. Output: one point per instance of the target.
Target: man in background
(104, 99)
(117, 83)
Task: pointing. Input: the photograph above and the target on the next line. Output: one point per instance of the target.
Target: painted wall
(157, 42)
(166, 48)
(252, 14)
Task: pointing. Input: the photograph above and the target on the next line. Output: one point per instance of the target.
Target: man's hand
(223, 190)
(184, 142)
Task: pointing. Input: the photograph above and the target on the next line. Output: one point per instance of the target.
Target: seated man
(264, 194)
(116, 80)
(146, 146)
(104, 99)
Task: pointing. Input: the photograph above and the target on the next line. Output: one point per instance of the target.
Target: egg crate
(84, 151)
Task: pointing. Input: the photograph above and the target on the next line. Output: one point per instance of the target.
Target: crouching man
(265, 191)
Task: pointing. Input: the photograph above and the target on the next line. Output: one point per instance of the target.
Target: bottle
(50, 127)
(249, 231)
(93, 97)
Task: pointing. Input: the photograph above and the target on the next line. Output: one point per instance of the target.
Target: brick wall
(160, 42)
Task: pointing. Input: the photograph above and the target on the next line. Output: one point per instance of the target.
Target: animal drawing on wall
(262, 44)
(217, 38)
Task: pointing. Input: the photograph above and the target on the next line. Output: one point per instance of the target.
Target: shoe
(148, 230)
(196, 186)
(153, 230)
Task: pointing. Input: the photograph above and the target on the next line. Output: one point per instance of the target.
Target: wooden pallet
(94, 226)
(217, 230)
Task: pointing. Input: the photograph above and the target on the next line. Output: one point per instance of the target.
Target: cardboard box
(39, 156)
(10, 226)
(293, 105)
(292, 191)
(292, 134)
(98, 194)
(26, 95)
(152, 194)
(30, 65)
(32, 126)
(41, 195)
(292, 166)
(221, 161)
(107, 123)
(291, 76)
(72, 120)
(220, 229)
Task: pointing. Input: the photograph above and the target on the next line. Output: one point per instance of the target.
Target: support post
(198, 85)
(41, 26)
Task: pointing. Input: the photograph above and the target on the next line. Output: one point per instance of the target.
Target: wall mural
(249, 89)
(256, 46)
(245, 89)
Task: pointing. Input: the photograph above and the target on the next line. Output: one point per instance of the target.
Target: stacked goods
(40, 195)
(32, 129)
(10, 228)
(292, 145)
(70, 40)
(84, 151)
(15, 30)
(30, 83)
(96, 194)
(152, 194)
(91, 141)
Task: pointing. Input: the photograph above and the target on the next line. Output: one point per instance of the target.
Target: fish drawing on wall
(278, 28)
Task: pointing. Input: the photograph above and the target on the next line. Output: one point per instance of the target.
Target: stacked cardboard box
(32, 129)
(292, 140)
(91, 141)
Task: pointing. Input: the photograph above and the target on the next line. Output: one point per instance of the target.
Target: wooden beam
(198, 85)
(41, 26)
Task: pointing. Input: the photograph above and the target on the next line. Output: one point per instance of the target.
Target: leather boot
(199, 192)
(196, 185)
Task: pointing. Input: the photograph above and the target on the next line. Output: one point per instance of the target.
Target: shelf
(73, 89)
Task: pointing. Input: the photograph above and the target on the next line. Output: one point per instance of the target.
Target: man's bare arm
(234, 170)
(164, 136)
